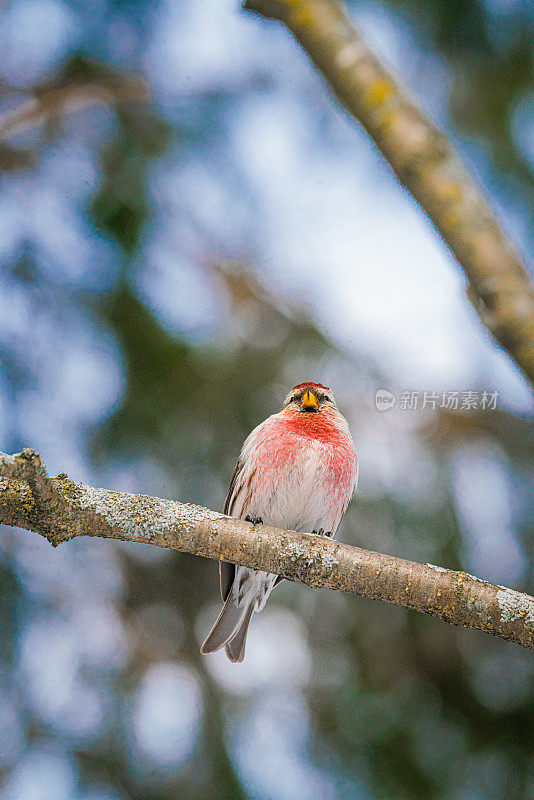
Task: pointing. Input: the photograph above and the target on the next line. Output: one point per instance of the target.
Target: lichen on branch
(61, 509)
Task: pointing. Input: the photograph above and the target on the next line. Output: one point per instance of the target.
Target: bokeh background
(169, 268)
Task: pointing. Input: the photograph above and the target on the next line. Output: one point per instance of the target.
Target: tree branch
(60, 509)
(53, 103)
(425, 162)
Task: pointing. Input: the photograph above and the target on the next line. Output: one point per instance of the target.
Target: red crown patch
(310, 383)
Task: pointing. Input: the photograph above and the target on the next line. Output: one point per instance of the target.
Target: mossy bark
(61, 509)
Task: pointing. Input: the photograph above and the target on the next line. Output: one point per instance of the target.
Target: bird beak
(309, 401)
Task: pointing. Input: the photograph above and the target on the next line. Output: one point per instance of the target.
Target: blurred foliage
(121, 207)
(401, 704)
(489, 47)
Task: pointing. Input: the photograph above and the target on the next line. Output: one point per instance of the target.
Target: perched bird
(297, 471)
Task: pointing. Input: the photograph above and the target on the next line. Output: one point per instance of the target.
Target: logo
(384, 400)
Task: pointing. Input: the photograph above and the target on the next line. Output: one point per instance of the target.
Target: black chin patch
(310, 410)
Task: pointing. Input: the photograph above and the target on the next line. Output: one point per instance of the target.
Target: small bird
(297, 471)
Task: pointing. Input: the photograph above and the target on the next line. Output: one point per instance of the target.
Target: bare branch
(425, 162)
(60, 509)
(52, 103)
(29, 467)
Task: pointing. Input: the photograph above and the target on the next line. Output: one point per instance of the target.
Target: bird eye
(327, 399)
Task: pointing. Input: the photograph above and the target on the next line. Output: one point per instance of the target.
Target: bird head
(309, 398)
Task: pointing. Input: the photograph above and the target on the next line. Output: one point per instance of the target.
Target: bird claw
(254, 520)
(321, 532)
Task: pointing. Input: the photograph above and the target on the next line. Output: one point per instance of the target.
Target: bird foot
(254, 520)
(321, 532)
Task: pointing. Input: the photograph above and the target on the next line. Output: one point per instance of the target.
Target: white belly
(298, 497)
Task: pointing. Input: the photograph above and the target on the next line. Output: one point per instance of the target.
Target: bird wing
(227, 571)
(232, 489)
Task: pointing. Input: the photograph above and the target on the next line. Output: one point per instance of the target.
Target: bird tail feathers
(230, 630)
